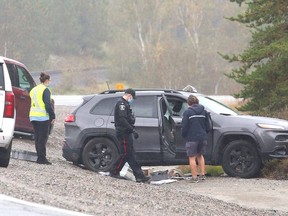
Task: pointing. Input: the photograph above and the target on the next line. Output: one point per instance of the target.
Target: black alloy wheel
(241, 159)
(99, 154)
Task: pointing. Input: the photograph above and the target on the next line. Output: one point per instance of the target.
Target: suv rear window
(1, 77)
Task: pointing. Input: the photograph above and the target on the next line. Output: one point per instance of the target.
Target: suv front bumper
(274, 143)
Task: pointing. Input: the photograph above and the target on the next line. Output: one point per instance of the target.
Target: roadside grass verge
(274, 169)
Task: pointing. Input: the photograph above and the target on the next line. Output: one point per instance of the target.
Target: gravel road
(74, 188)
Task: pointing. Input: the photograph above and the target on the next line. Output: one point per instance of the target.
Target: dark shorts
(194, 148)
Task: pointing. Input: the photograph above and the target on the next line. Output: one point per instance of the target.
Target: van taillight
(70, 118)
(9, 105)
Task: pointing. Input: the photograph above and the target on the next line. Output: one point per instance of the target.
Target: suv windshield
(215, 106)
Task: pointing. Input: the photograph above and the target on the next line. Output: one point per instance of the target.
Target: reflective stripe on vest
(37, 104)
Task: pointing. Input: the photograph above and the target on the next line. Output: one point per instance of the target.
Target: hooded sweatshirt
(195, 123)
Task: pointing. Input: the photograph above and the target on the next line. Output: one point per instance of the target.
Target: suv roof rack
(146, 89)
(190, 88)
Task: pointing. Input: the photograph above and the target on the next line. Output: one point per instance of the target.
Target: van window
(1, 77)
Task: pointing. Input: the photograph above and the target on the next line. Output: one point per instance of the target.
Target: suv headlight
(270, 126)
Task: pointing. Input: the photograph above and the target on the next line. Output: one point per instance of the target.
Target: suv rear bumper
(69, 154)
(6, 135)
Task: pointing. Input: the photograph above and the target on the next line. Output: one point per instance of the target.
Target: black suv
(240, 143)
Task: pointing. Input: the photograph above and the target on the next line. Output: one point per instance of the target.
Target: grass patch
(210, 170)
(214, 171)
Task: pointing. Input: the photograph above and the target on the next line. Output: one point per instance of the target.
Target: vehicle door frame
(168, 148)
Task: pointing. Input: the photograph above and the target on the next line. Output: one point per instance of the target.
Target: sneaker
(202, 177)
(194, 180)
(143, 179)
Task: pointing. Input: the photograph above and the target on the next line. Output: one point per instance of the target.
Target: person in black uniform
(124, 124)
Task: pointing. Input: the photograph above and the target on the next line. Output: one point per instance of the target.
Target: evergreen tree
(263, 69)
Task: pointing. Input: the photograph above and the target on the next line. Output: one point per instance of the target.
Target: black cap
(130, 91)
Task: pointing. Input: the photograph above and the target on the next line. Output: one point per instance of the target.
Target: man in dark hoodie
(195, 129)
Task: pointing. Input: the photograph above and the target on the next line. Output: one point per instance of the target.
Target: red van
(22, 83)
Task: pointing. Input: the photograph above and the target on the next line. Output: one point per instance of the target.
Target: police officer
(124, 124)
(41, 116)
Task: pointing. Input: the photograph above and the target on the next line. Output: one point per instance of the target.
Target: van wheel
(241, 159)
(5, 156)
(99, 154)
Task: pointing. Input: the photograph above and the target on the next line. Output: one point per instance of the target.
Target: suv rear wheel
(240, 158)
(99, 154)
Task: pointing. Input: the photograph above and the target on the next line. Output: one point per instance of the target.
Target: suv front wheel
(240, 158)
(99, 154)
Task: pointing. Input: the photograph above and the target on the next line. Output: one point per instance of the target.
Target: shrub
(276, 169)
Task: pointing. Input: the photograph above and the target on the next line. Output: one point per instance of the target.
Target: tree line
(171, 43)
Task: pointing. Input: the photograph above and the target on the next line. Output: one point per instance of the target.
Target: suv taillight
(70, 118)
(9, 105)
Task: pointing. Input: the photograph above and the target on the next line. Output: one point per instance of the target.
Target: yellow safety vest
(37, 108)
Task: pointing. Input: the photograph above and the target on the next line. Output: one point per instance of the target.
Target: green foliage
(214, 171)
(263, 65)
(276, 169)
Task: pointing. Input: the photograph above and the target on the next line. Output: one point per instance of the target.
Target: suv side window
(12, 72)
(105, 106)
(177, 106)
(145, 106)
(20, 77)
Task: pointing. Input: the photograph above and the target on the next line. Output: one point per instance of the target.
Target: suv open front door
(168, 129)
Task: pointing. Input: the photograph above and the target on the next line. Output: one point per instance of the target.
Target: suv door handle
(22, 97)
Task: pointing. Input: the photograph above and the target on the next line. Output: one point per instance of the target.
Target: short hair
(192, 100)
(131, 91)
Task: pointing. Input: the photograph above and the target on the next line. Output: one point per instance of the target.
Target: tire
(241, 159)
(99, 154)
(5, 155)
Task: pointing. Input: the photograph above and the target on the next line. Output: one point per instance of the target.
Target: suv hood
(264, 120)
